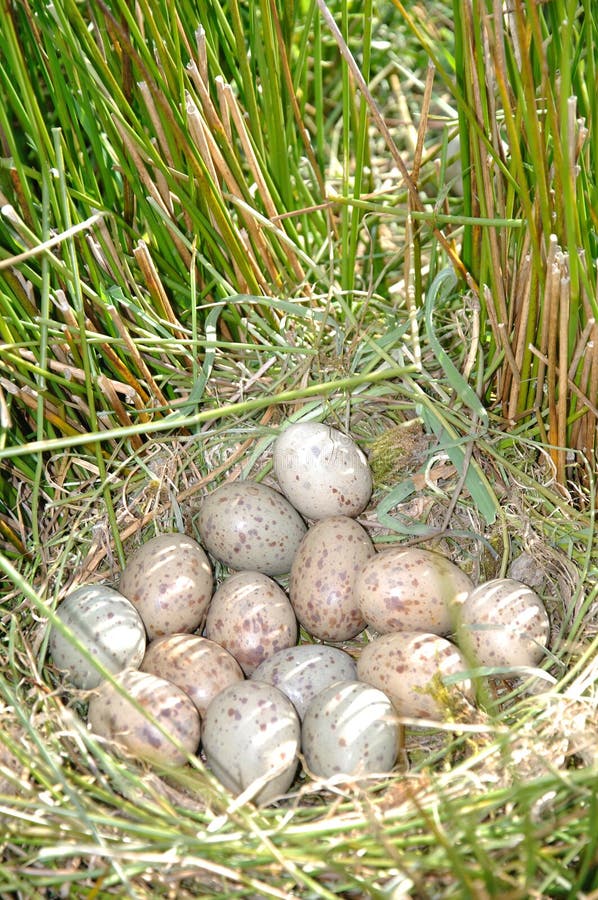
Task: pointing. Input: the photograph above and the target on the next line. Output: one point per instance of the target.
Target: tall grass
(521, 80)
(148, 137)
(527, 115)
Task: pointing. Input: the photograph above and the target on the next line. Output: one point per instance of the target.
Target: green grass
(215, 217)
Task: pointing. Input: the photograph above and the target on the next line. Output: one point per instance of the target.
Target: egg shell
(251, 731)
(409, 668)
(251, 616)
(409, 589)
(114, 717)
(199, 666)
(504, 623)
(169, 580)
(250, 526)
(303, 671)
(350, 728)
(107, 625)
(321, 470)
(323, 574)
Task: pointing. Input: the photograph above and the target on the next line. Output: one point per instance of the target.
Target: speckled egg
(504, 623)
(169, 580)
(410, 667)
(250, 526)
(323, 574)
(303, 671)
(252, 618)
(321, 470)
(199, 666)
(350, 728)
(106, 624)
(115, 717)
(410, 590)
(251, 736)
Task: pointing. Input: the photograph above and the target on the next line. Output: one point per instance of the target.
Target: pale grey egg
(321, 470)
(350, 728)
(410, 589)
(412, 669)
(199, 666)
(251, 736)
(303, 671)
(117, 719)
(250, 526)
(504, 623)
(321, 587)
(106, 624)
(251, 616)
(169, 581)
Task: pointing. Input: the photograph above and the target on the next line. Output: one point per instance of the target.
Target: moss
(453, 703)
(396, 450)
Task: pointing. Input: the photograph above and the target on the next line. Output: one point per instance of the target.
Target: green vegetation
(218, 215)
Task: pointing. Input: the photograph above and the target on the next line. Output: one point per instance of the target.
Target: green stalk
(318, 85)
(347, 121)
(268, 53)
(360, 142)
(460, 33)
(247, 77)
(533, 127)
(43, 360)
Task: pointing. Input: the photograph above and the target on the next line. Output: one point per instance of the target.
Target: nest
(106, 819)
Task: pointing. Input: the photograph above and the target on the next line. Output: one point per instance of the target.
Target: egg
(327, 562)
(504, 623)
(169, 580)
(321, 470)
(250, 526)
(303, 671)
(251, 736)
(410, 667)
(106, 624)
(350, 728)
(251, 616)
(199, 666)
(409, 589)
(117, 719)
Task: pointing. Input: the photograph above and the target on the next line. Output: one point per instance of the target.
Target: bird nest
(108, 822)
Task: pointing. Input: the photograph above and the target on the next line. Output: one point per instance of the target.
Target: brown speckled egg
(251, 735)
(504, 623)
(200, 667)
(410, 590)
(252, 618)
(321, 470)
(350, 728)
(106, 624)
(250, 526)
(323, 574)
(303, 671)
(114, 717)
(410, 667)
(169, 581)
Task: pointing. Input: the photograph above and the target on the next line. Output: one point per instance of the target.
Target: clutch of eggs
(177, 664)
